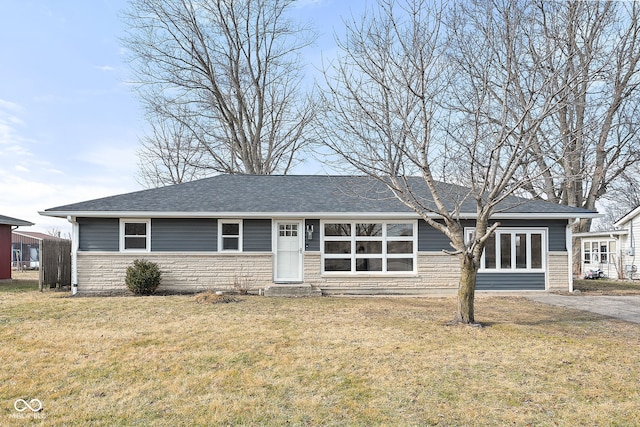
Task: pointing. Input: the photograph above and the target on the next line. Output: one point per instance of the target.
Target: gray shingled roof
(288, 194)
(7, 220)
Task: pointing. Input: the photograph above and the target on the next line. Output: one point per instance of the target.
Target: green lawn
(312, 362)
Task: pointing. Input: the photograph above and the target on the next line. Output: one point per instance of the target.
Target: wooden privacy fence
(55, 264)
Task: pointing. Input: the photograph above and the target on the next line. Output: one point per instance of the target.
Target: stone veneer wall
(104, 272)
(558, 271)
(438, 273)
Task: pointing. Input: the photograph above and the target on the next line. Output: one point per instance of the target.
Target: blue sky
(69, 122)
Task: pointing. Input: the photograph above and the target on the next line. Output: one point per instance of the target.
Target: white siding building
(615, 252)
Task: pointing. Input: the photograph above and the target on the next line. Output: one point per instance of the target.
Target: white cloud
(30, 182)
(13, 146)
(47, 98)
(27, 194)
(8, 122)
(10, 106)
(111, 155)
(305, 3)
(106, 68)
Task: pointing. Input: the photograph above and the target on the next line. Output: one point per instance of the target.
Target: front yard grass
(312, 362)
(21, 282)
(607, 287)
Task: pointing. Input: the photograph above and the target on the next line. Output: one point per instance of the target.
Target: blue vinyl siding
(510, 282)
(312, 244)
(557, 235)
(99, 234)
(430, 239)
(256, 235)
(184, 235)
(557, 230)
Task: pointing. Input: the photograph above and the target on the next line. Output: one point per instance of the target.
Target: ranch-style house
(297, 234)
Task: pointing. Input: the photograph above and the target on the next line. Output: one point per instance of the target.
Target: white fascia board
(379, 215)
(540, 215)
(155, 214)
(602, 233)
(627, 217)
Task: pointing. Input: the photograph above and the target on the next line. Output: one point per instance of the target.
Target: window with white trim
(288, 230)
(599, 251)
(369, 247)
(135, 235)
(230, 235)
(514, 250)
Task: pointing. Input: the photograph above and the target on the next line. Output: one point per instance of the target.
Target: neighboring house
(7, 224)
(600, 250)
(26, 246)
(338, 234)
(614, 252)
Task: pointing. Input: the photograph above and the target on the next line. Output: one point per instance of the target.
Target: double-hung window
(514, 250)
(368, 247)
(135, 235)
(230, 235)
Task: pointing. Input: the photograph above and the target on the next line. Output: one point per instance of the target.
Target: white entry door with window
(289, 242)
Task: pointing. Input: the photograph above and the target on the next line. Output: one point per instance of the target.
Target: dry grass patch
(313, 361)
(607, 287)
(21, 281)
(211, 297)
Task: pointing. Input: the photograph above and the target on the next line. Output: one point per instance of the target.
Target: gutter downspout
(75, 240)
(569, 244)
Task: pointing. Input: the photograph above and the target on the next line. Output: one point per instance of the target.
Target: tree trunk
(466, 291)
(581, 226)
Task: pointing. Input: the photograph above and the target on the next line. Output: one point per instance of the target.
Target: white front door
(288, 251)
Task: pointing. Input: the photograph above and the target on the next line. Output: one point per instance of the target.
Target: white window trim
(383, 256)
(513, 231)
(612, 256)
(146, 221)
(221, 236)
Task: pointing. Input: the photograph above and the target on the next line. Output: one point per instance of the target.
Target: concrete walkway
(620, 307)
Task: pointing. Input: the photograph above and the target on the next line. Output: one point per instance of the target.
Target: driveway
(620, 307)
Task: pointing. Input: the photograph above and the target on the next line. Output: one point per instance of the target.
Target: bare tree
(170, 154)
(56, 232)
(421, 88)
(229, 72)
(623, 196)
(595, 71)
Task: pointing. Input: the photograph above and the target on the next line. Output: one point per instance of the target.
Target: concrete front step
(293, 290)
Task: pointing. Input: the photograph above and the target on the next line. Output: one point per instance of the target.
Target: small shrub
(242, 284)
(143, 277)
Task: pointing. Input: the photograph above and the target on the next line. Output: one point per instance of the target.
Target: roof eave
(13, 222)
(381, 215)
(602, 233)
(629, 216)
